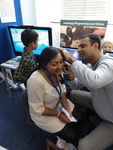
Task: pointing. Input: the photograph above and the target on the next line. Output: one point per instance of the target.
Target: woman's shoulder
(35, 74)
(35, 78)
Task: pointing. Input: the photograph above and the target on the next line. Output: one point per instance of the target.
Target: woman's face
(56, 64)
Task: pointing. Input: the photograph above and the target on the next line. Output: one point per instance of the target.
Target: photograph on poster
(69, 35)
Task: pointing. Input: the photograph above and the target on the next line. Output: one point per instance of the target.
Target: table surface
(12, 63)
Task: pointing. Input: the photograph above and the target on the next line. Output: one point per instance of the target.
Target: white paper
(2, 148)
(67, 114)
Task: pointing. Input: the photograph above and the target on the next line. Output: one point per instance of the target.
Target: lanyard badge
(53, 84)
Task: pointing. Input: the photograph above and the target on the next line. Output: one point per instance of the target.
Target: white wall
(42, 13)
(47, 11)
(28, 12)
(48, 15)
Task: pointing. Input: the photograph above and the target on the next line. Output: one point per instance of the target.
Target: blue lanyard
(58, 91)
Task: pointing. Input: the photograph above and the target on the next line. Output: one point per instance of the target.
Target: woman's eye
(54, 65)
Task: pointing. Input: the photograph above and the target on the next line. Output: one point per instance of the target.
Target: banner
(79, 17)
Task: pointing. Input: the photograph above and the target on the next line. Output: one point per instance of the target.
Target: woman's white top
(40, 95)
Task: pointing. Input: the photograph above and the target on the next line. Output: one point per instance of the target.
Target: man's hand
(68, 74)
(68, 57)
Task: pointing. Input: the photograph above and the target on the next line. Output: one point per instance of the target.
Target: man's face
(85, 49)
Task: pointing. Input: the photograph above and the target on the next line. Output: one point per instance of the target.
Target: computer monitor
(44, 39)
(109, 54)
(74, 52)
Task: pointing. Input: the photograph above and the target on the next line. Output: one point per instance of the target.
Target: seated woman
(47, 95)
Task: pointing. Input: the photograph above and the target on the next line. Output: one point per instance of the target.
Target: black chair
(24, 98)
(49, 144)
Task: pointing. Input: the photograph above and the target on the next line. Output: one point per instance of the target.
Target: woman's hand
(64, 118)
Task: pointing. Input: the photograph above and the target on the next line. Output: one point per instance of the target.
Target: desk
(11, 64)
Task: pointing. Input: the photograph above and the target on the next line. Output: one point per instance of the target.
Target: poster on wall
(7, 11)
(79, 17)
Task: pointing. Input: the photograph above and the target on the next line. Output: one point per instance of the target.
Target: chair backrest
(24, 97)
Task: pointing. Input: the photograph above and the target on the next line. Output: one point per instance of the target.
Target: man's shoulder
(106, 59)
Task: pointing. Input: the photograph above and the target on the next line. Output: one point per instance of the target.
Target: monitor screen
(109, 54)
(74, 52)
(44, 39)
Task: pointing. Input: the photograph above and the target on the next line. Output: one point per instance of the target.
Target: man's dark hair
(28, 36)
(94, 38)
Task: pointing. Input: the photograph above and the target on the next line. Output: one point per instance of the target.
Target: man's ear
(33, 43)
(96, 45)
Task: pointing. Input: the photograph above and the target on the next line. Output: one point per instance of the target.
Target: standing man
(97, 76)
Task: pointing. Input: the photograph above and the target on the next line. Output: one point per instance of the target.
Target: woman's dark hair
(46, 56)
